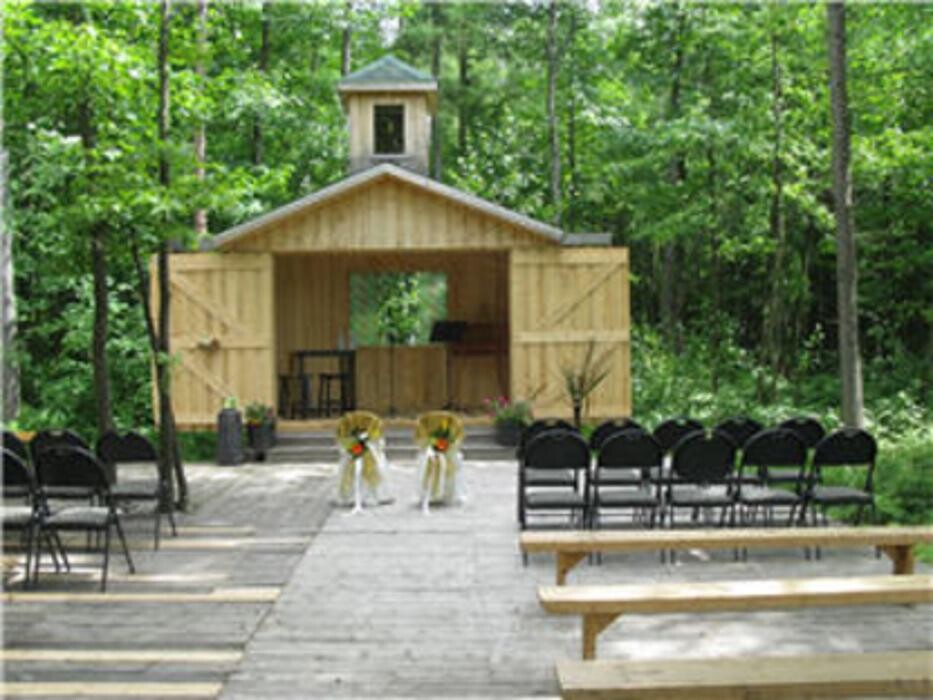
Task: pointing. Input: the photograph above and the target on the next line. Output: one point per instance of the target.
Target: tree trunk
(102, 394)
(572, 126)
(677, 173)
(200, 133)
(463, 70)
(170, 462)
(553, 132)
(8, 367)
(775, 318)
(345, 45)
(436, 72)
(846, 268)
(258, 145)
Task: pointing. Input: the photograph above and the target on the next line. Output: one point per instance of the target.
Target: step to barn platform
(319, 446)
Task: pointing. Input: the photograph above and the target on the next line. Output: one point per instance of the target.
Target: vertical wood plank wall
(387, 215)
(312, 307)
(561, 300)
(222, 330)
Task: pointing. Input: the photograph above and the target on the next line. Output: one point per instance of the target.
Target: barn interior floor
(306, 601)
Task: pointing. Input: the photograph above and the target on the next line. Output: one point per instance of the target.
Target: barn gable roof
(548, 233)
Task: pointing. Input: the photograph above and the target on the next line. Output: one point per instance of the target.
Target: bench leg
(565, 562)
(902, 558)
(592, 625)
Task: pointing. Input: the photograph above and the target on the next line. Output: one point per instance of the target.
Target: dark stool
(325, 401)
(304, 400)
(286, 407)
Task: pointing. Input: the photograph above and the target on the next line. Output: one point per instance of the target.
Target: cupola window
(389, 129)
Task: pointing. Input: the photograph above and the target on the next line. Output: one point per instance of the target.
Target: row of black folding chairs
(57, 468)
(624, 468)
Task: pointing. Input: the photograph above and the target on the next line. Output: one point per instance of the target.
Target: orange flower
(441, 444)
(356, 449)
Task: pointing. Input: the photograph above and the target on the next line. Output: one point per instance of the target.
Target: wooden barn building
(272, 312)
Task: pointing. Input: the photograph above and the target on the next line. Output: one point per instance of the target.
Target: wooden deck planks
(896, 674)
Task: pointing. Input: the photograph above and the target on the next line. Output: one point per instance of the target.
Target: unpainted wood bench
(572, 546)
(887, 674)
(599, 606)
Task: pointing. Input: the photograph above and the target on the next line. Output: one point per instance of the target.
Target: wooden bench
(572, 546)
(599, 606)
(896, 673)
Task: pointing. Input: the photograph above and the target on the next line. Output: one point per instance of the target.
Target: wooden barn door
(562, 300)
(222, 330)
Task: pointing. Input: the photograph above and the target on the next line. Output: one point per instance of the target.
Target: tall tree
(436, 55)
(552, 124)
(258, 145)
(200, 131)
(850, 361)
(346, 40)
(775, 317)
(8, 367)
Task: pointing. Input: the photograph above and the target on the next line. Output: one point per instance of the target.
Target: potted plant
(260, 428)
(509, 418)
(580, 382)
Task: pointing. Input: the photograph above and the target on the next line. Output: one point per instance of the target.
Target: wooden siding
(387, 215)
(312, 309)
(561, 300)
(221, 330)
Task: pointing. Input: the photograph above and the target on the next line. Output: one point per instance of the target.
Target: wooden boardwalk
(385, 604)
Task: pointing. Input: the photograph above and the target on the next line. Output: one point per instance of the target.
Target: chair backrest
(703, 458)
(45, 439)
(12, 443)
(17, 477)
(740, 429)
(359, 422)
(630, 449)
(114, 448)
(670, 432)
(557, 449)
(433, 422)
(539, 426)
(609, 428)
(70, 466)
(809, 429)
(776, 447)
(846, 447)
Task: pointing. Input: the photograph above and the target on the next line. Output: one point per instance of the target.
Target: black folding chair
(609, 428)
(701, 474)
(557, 451)
(48, 439)
(622, 478)
(807, 429)
(762, 453)
(113, 450)
(23, 516)
(535, 477)
(849, 449)
(77, 468)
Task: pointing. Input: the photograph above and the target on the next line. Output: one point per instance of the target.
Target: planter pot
(261, 437)
(509, 433)
(229, 437)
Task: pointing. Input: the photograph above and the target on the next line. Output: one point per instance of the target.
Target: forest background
(698, 135)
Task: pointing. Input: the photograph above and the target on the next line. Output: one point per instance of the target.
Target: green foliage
(504, 411)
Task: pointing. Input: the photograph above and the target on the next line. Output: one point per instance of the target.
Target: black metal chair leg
(171, 521)
(158, 527)
(106, 562)
(30, 537)
(126, 550)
